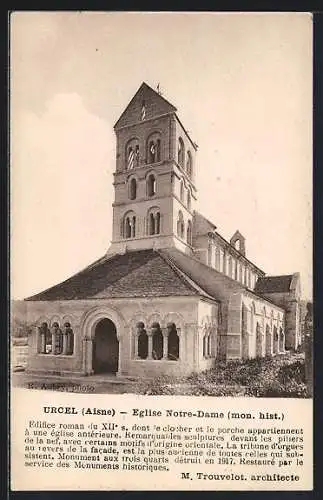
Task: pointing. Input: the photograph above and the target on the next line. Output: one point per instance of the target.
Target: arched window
(245, 276)
(209, 254)
(133, 189)
(173, 342)
(153, 221)
(268, 341)
(68, 345)
(233, 275)
(207, 341)
(151, 185)
(217, 259)
(188, 199)
(157, 223)
(230, 266)
(157, 341)
(154, 148)
(181, 153)
(180, 225)
(209, 345)
(151, 224)
(276, 340)
(258, 340)
(182, 192)
(132, 154)
(57, 339)
(142, 341)
(129, 225)
(281, 340)
(189, 165)
(222, 262)
(189, 233)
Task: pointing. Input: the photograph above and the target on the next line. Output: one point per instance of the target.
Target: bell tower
(154, 189)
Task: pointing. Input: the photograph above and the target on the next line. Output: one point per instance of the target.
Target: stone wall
(290, 302)
(84, 315)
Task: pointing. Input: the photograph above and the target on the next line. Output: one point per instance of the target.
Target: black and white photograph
(161, 204)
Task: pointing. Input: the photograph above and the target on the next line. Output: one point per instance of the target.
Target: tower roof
(156, 104)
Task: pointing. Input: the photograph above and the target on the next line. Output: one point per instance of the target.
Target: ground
(282, 376)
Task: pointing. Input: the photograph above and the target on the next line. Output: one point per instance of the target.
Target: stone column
(65, 339)
(42, 335)
(53, 339)
(165, 342)
(89, 355)
(213, 341)
(150, 344)
(275, 340)
(84, 354)
(224, 262)
(135, 336)
(120, 356)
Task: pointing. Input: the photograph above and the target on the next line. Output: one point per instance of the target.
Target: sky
(242, 85)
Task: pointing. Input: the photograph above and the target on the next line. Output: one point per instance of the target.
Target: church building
(171, 295)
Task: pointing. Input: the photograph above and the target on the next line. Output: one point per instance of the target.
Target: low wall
(154, 368)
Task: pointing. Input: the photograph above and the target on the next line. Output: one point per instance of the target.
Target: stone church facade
(171, 295)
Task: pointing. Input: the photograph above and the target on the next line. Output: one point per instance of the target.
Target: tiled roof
(142, 273)
(272, 284)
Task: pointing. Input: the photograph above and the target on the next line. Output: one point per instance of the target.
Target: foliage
(21, 328)
(162, 385)
(292, 372)
(275, 389)
(281, 376)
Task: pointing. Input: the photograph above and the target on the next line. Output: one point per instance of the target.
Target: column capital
(165, 331)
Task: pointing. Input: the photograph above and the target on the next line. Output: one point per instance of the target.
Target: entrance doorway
(105, 347)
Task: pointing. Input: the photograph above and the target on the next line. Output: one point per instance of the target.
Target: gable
(155, 105)
(201, 225)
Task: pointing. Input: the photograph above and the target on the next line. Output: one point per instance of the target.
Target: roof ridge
(212, 269)
(277, 276)
(182, 275)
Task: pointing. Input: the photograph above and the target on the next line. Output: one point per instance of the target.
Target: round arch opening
(105, 347)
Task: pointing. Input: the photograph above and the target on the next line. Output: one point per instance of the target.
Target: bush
(158, 386)
(21, 328)
(281, 379)
(278, 390)
(281, 376)
(209, 389)
(293, 372)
